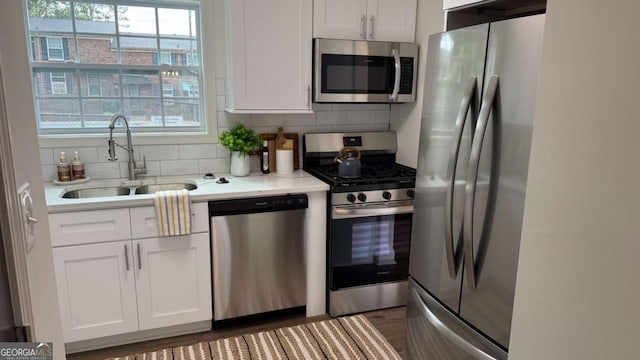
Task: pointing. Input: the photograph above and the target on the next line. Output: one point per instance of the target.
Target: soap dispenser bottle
(64, 169)
(77, 167)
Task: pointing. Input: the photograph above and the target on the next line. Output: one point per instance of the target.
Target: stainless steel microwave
(354, 71)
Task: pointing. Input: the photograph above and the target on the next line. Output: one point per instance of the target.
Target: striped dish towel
(173, 212)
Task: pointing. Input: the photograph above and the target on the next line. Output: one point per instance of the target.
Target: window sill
(138, 139)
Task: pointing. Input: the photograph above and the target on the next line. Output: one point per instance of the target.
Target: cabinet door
(269, 62)
(391, 20)
(340, 19)
(96, 288)
(173, 280)
(450, 4)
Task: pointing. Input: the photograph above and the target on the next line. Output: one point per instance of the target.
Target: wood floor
(390, 323)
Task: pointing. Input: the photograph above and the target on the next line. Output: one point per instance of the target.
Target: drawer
(144, 223)
(89, 227)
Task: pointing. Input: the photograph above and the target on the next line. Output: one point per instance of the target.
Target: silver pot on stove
(348, 160)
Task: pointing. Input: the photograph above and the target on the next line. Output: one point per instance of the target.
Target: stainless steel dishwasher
(257, 247)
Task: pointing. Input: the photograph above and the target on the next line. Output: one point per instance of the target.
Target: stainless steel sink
(150, 189)
(96, 192)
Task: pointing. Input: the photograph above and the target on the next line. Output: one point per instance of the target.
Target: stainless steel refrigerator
(477, 120)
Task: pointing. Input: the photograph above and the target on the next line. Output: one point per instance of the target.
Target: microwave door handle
(396, 84)
(471, 270)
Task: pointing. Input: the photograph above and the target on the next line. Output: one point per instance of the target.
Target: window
(92, 59)
(93, 85)
(58, 81)
(54, 48)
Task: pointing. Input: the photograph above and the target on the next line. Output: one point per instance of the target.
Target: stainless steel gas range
(369, 220)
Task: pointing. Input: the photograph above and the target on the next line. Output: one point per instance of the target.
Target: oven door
(369, 245)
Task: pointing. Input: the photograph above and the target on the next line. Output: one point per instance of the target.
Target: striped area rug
(344, 338)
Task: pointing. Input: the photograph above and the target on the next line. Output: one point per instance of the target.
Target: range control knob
(351, 198)
(362, 197)
(386, 195)
(411, 194)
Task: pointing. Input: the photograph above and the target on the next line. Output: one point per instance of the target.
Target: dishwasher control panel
(256, 205)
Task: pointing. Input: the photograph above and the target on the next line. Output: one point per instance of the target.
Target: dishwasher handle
(258, 205)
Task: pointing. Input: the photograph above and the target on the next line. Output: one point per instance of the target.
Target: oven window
(369, 250)
(357, 74)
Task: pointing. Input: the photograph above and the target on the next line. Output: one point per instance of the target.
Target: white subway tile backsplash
(361, 117)
(261, 120)
(108, 170)
(346, 128)
(197, 151)
(196, 159)
(374, 127)
(222, 152)
(215, 166)
(230, 120)
(153, 168)
(159, 152)
(178, 167)
(385, 107)
(49, 172)
(46, 157)
(321, 107)
(382, 117)
(87, 154)
(331, 118)
(300, 119)
(344, 107)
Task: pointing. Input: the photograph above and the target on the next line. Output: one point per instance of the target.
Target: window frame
(49, 48)
(207, 131)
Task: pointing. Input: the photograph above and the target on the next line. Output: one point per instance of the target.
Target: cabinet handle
(139, 257)
(126, 256)
(372, 19)
(309, 96)
(363, 27)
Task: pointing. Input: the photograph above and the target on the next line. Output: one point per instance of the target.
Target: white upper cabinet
(374, 20)
(269, 48)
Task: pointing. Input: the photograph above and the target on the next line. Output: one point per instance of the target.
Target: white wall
(22, 129)
(405, 118)
(193, 159)
(579, 271)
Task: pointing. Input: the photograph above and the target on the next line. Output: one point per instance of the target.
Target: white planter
(239, 164)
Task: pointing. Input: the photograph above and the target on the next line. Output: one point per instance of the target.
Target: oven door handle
(364, 211)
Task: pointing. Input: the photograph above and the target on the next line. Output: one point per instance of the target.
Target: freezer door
(500, 160)
(455, 69)
(434, 333)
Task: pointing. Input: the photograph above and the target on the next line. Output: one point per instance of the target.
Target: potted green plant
(241, 141)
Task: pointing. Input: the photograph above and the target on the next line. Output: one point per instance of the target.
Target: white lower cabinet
(173, 280)
(96, 289)
(122, 286)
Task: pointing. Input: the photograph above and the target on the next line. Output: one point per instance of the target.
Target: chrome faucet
(133, 170)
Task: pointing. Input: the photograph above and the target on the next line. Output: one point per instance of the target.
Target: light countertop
(256, 184)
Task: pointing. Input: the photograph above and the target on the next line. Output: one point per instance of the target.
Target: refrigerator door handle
(454, 255)
(446, 331)
(474, 164)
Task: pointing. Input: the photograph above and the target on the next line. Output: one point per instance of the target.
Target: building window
(93, 85)
(58, 81)
(54, 48)
(91, 59)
